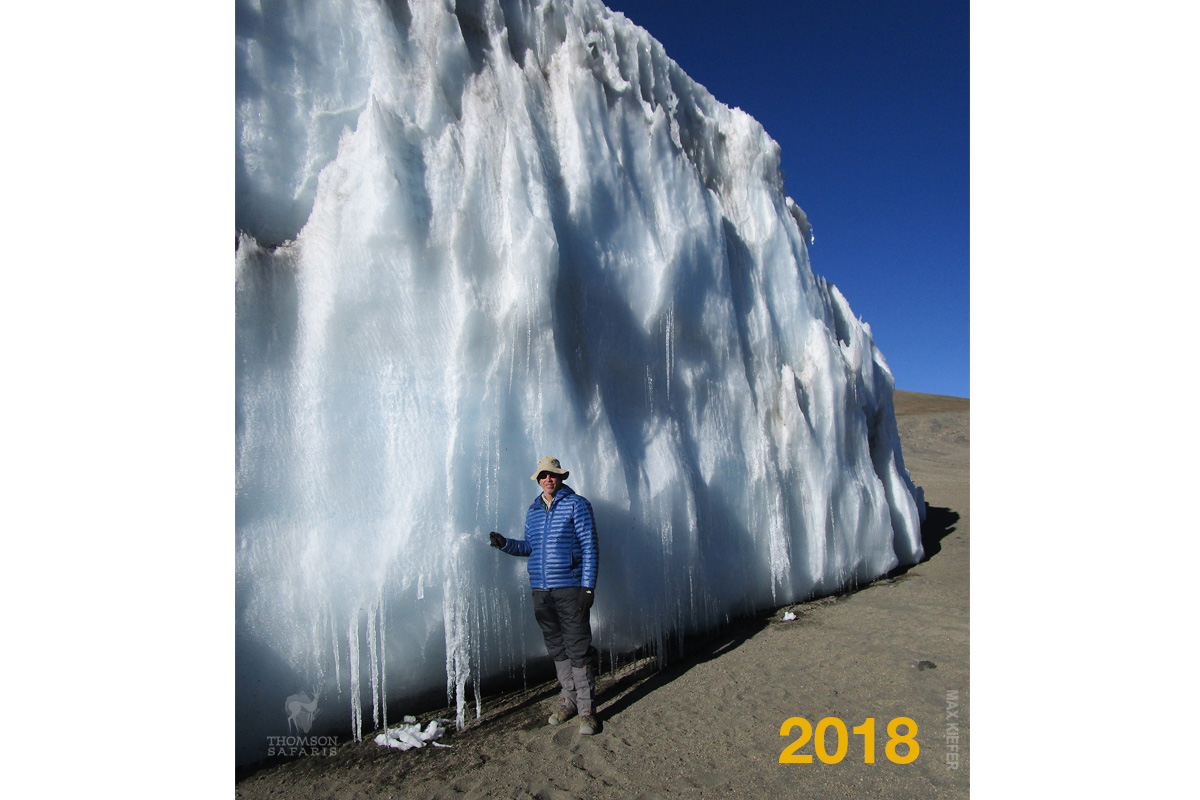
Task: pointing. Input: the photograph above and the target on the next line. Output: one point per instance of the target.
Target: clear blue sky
(870, 101)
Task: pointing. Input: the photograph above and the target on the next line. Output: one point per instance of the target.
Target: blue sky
(870, 102)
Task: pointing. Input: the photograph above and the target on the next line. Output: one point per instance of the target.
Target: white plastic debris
(410, 735)
(788, 616)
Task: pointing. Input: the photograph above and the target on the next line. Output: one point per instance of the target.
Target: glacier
(471, 233)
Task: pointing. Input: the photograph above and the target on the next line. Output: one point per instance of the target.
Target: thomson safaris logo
(301, 710)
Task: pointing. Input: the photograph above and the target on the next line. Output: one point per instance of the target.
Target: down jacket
(560, 542)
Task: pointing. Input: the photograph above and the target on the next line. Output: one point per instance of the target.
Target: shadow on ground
(648, 678)
(939, 523)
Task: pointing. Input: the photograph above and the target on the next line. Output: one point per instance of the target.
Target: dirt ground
(708, 726)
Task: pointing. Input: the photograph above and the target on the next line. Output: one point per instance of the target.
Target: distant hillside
(918, 403)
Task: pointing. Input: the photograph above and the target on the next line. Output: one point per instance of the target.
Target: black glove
(586, 598)
(497, 539)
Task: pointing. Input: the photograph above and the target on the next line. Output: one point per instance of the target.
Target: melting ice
(474, 233)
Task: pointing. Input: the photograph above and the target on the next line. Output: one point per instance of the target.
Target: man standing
(560, 543)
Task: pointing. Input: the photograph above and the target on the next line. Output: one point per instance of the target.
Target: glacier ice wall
(474, 233)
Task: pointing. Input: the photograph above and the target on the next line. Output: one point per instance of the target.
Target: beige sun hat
(548, 464)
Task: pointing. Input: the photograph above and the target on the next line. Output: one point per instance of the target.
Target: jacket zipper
(546, 542)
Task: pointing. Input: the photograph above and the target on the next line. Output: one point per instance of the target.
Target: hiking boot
(588, 724)
(563, 713)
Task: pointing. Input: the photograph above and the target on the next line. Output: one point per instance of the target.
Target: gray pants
(567, 629)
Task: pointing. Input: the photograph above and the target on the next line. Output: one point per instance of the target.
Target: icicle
(670, 346)
(476, 665)
(355, 696)
(383, 659)
(457, 652)
(373, 660)
(337, 663)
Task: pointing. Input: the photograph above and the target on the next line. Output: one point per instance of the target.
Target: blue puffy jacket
(560, 542)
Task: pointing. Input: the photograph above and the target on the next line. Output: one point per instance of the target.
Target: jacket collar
(562, 492)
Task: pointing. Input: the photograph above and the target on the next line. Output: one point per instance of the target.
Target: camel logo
(301, 710)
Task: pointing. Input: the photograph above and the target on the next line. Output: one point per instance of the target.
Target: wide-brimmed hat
(548, 464)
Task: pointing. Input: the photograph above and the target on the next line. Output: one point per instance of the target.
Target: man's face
(549, 482)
